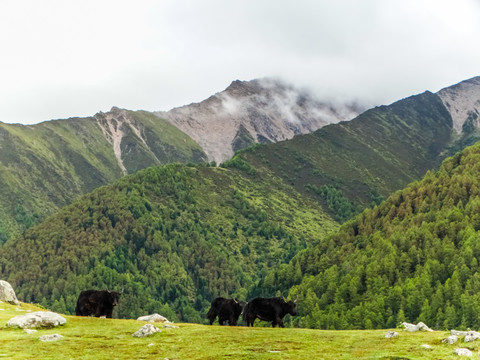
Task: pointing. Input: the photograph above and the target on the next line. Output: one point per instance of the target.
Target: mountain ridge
(261, 111)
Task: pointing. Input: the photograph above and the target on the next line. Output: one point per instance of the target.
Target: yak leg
(280, 322)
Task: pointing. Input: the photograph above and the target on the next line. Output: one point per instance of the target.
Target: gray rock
(418, 327)
(462, 352)
(7, 294)
(471, 336)
(52, 337)
(461, 333)
(37, 319)
(169, 326)
(146, 330)
(154, 318)
(391, 334)
(452, 339)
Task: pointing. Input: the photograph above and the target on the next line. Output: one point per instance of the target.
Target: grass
(93, 338)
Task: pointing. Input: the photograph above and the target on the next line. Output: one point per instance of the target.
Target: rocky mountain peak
(463, 102)
(257, 111)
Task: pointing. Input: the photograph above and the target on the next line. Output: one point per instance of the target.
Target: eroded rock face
(7, 294)
(463, 102)
(257, 111)
(38, 319)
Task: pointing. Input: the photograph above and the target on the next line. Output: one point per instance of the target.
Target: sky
(67, 58)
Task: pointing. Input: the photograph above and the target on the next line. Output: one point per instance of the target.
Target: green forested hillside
(172, 238)
(351, 165)
(414, 257)
(46, 166)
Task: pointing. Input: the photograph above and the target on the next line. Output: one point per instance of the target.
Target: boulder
(146, 330)
(462, 352)
(418, 327)
(459, 332)
(452, 339)
(391, 334)
(7, 294)
(154, 318)
(52, 337)
(46, 319)
(471, 336)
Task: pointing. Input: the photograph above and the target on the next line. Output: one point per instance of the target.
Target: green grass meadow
(93, 338)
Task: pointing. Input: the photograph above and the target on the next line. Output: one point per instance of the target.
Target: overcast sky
(66, 58)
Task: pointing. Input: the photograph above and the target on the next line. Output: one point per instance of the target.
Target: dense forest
(170, 238)
(412, 258)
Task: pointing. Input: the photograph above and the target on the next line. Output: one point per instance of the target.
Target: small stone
(391, 334)
(452, 339)
(426, 346)
(53, 337)
(462, 352)
(146, 330)
(168, 326)
(30, 331)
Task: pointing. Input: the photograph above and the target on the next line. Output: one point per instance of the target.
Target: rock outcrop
(146, 330)
(154, 318)
(463, 102)
(38, 319)
(7, 294)
(418, 327)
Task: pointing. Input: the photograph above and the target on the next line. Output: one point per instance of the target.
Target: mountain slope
(359, 162)
(171, 237)
(257, 111)
(44, 167)
(412, 258)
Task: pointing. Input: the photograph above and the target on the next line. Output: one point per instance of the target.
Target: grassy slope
(92, 338)
(46, 166)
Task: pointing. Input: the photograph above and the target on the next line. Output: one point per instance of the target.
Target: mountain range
(46, 166)
(174, 237)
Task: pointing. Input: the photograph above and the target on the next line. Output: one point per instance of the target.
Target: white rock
(154, 318)
(458, 332)
(418, 327)
(37, 319)
(426, 346)
(391, 334)
(452, 339)
(52, 337)
(30, 331)
(462, 352)
(471, 336)
(168, 326)
(146, 330)
(7, 294)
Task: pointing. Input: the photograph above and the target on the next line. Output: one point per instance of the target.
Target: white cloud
(65, 58)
